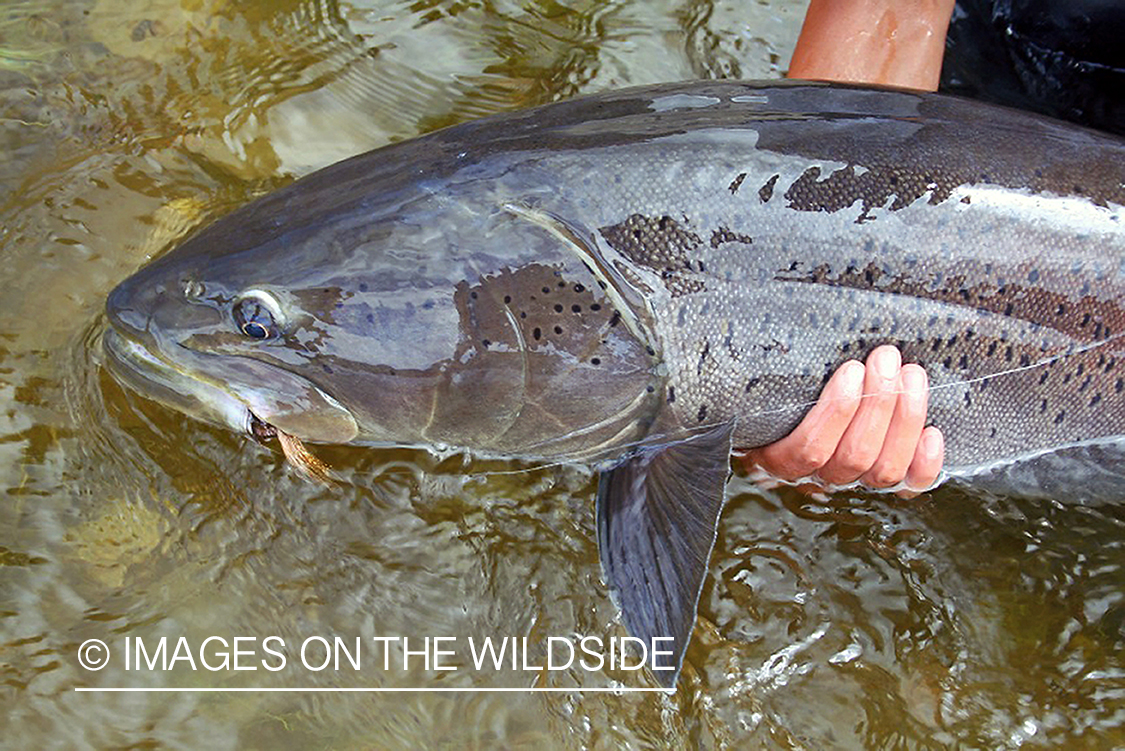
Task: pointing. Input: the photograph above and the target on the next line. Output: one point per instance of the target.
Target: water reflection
(853, 621)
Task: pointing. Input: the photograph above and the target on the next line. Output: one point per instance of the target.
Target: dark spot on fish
(948, 363)
(615, 318)
(650, 388)
(595, 361)
(595, 307)
(1043, 377)
(765, 193)
(363, 286)
(702, 413)
(1043, 406)
(968, 399)
(507, 299)
(650, 350)
(1060, 417)
(736, 183)
(474, 294)
(486, 343)
(992, 433)
(702, 357)
(558, 329)
(537, 334)
(1033, 276)
(579, 288)
(752, 383)
(546, 290)
(576, 308)
(991, 349)
(1025, 360)
(371, 318)
(1096, 398)
(671, 394)
(1119, 386)
(523, 314)
(1085, 383)
(563, 284)
(724, 235)
(963, 363)
(558, 308)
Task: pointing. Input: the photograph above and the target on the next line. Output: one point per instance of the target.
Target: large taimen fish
(643, 279)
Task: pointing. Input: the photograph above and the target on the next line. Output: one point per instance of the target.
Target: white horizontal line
(388, 690)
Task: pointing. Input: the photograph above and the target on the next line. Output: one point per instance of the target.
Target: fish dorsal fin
(658, 515)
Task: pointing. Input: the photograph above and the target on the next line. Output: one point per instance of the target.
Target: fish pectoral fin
(658, 516)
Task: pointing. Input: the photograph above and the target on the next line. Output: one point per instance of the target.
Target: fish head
(415, 317)
(192, 332)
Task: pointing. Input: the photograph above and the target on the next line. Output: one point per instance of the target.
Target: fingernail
(851, 379)
(933, 442)
(913, 379)
(886, 361)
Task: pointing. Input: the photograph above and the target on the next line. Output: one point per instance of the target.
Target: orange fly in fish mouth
(295, 451)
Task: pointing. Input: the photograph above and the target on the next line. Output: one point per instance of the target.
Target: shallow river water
(855, 621)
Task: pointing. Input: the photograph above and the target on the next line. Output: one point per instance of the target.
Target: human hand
(867, 426)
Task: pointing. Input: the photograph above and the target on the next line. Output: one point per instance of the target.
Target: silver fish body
(644, 279)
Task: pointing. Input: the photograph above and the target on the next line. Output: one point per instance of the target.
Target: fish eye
(256, 316)
(255, 330)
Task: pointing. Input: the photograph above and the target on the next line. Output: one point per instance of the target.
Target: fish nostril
(134, 303)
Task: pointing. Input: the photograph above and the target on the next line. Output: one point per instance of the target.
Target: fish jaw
(212, 389)
(139, 368)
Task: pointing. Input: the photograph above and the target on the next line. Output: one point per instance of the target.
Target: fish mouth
(244, 394)
(143, 371)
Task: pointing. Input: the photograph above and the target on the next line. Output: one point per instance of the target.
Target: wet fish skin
(644, 279)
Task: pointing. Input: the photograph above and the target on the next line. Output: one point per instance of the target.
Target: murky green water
(952, 621)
